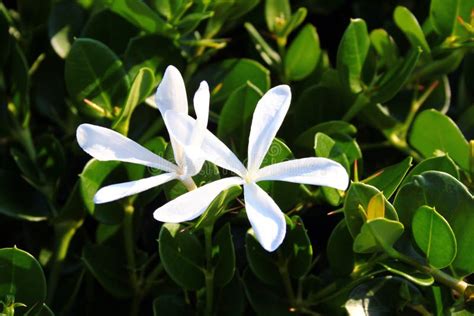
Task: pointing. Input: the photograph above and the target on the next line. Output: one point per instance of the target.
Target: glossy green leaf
(377, 235)
(352, 53)
(300, 247)
(228, 75)
(357, 196)
(110, 29)
(182, 256)
(408, 272)
(153, 52)
(223, 253)
(339, 250)
(231, 298)
(303, 54)
(409, 25)
(13, 202)
(142, 16)
(306, 139)
(441, 163)
(296, 19)
(217, 207)
(109, 266)
(236, 116)
(385, 47)
(265, 299)
(444, 15)
(388, 179)
(396, 77)
(285, 194)
(376, 207)
(434, 236)
(95, 73)
(64, 23)
(22, 277)
(141, 88)
(453, 202)
(434, 133)
(277, 14)
(92, 178)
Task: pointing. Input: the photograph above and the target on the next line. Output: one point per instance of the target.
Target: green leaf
(377, 235)
(299, 245)
(296, 19)
(141, 88)
(277, 14)
(110, 29)
(109, 266)
(153, 52)
(385, 47)
(5, 38)
(182, 256)
(357, 196)
(228, 75)
(441, 163)
(434, 133)
(95, 73)
(303, 54)
(396, 77)
(236, 116)
(231, 298)
(92, 179)
(218, 207)
(434, 236)
(22, 277)
(339, 250)
(408, 272)
(265, 299)
(387, 180)
(409, 25)
(352, 53)
(376, 207)
(284, 193)
(453, 202)
(306, 139)
(13, 202)
(50, 158)
(142, 16)
(65, 22)
(224, 254)
(444, 16)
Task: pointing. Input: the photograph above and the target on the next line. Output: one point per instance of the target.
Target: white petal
(105, 144)
(171, 93)
(316, 171)
(267, 119)
(192, 204)
(117, 191)
(201, 104)
(212, 149)
(266, 218)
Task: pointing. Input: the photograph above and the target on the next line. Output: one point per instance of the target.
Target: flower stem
(63, 237)
(285, 276)
(130, 242)
(209, 273)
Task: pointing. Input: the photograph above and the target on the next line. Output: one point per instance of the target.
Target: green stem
(459, 286)
(285, 276)
(130, 243)
(152, 276)
(209, 273)
(63, 237)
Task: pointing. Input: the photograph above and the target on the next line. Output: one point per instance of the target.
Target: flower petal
(267, 119)
(192, 204)
(117, 191)
(211, 149)
(201, 104)
(316, 171)
(105, 144)
(266, 218)
(171, 93)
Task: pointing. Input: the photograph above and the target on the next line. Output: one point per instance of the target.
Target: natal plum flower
(266, 218)
(105, 144)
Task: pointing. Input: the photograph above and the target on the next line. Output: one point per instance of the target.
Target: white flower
(105, 144)
(265, 216)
